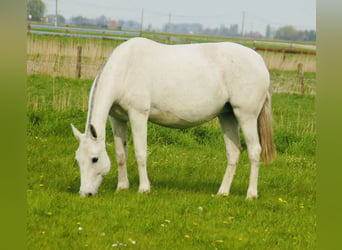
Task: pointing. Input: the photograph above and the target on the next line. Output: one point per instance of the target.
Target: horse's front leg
(139, 131)
(119, 128)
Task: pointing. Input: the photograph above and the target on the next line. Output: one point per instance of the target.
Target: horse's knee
(121, 158)
(254, 152)
(141, 159)
(233, 154)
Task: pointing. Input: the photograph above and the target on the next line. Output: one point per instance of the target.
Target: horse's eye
(94, 160)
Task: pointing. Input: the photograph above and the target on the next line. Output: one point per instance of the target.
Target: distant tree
(81, 21)
(287, 33)
(290, 33)
(102, 21)
(311, 36)
(234, 30)
(35, 10)
(51, 19)
(268, 31)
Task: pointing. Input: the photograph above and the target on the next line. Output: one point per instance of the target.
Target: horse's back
(185, 85)
(230, 62)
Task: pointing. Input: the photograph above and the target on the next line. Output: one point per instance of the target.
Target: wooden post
(79, 61)
(301, 77)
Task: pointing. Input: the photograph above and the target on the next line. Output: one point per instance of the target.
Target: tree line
(36, 10)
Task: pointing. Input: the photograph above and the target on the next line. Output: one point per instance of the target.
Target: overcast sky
(258, 13)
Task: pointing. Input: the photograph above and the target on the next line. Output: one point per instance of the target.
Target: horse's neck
(98, 110)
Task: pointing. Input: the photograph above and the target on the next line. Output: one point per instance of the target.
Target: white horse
(177, 86)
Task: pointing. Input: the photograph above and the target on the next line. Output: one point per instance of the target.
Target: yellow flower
(301, 205)
(167, 221)
(281, 200)
(41, 185)
(132, 241)
(42, 232)
(225, 222)
(187, 236)
(219, 241)
(78, 223)
(49, 213)
(240, 238)
(225, 195)
(231, 217)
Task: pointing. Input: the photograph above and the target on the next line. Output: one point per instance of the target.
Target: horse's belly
(182, 115)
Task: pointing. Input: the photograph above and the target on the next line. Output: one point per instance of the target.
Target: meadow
(185, 167)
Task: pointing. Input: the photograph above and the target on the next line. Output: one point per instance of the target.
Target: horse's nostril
(89, 194)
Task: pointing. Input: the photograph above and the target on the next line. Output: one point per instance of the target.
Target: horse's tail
(268, 151)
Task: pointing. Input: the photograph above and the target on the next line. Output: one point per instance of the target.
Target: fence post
(79, 61)
(301, 77)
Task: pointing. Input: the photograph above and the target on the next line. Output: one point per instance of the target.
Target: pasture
(185, 168)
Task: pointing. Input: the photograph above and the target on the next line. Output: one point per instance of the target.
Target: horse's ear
(93, 132)
(77, 133)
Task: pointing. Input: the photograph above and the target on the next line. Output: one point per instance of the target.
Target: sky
(212, 14)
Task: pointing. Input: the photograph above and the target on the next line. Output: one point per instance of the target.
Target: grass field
(185, 168)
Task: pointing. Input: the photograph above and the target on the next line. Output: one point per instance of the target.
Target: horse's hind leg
(139, 130)
(248, 123)
(119, 128)
(231, 138)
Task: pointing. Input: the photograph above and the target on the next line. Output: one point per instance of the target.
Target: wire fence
(84, 61)
(295, 82)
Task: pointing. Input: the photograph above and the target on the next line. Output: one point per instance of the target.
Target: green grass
(185, 168)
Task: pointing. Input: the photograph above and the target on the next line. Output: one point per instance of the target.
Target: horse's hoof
(122, 186)
(144, 190)
(222, 194)
(251, 196)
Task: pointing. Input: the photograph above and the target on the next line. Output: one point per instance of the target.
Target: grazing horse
(177, 86)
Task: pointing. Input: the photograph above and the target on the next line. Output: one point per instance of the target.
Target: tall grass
(289, 62)
(57, 56)
(57, 93)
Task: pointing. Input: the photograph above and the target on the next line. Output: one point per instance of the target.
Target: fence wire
(60, 67)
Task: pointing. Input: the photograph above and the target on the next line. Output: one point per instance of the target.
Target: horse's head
(92, 159)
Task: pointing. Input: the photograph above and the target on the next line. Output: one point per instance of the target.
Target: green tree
(311, 36)
(35, 9)
(287, 33)
(268, 31)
